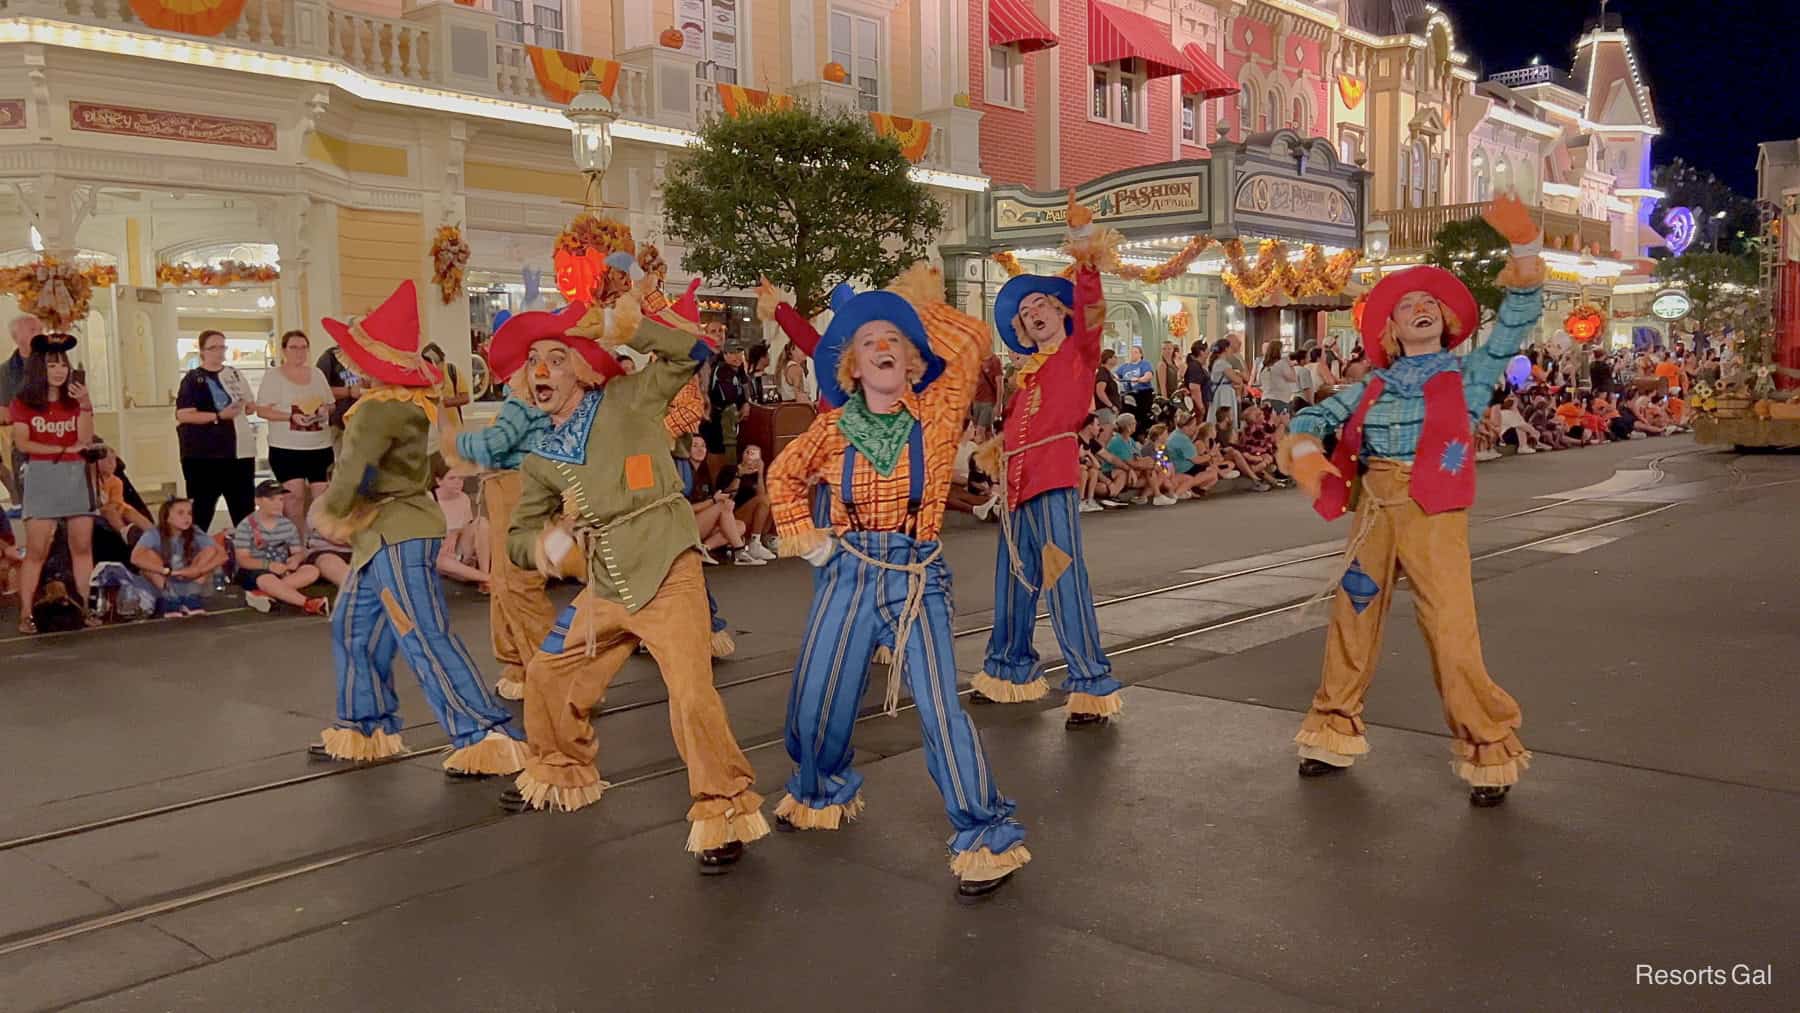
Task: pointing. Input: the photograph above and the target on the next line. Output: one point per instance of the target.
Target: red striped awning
(1014, 23)
(1116, 34)
(1207, 79)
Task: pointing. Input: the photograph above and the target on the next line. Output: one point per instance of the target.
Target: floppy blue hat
(1006, 305)
(850, 311)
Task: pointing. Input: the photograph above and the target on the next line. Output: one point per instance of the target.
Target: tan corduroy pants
(567, 679)
(1433, 552)
(519, 613)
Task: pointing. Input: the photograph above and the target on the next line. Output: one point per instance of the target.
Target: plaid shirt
(1392, 427)
(504, 444)
(961, 341)
(1258, 439)
(687, 411)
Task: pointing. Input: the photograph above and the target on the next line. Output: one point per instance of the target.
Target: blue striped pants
(1047, 519)
(395, 601)
(855, 608)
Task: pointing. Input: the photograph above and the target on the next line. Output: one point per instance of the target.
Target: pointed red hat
(384, 345)
(512, 342)
(1436, 282)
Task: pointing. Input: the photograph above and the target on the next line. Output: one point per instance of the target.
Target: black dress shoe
(1087, 721)
(975, 891)
(316, 751)
(718, 861)
(783, 825)
(513, 801)
(1485, 797)
(1318, 768)
(978, 697)
(465, 775)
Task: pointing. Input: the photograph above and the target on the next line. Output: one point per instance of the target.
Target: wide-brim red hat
(512, 342)
(1436, 282)
(384, 345)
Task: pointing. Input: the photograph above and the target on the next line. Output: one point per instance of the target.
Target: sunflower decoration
(1705, 399)
(449, 256)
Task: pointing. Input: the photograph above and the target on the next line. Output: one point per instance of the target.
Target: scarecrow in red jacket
(1404, 463)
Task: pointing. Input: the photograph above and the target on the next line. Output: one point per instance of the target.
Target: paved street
(166, 844)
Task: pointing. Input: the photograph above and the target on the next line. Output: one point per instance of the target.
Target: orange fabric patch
(638, 473)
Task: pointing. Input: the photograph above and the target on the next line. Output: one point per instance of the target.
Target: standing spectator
(1107, 399)
(1137, 381)
(1668, 372)
(1195, 378)
(1600, 375)
(296, 400)
(451, 393)
(1169, 368)
(988, 385)
(12, 380)
(1358, 367)
(1280, 378)
(728, 391)
(271, 557)
(176, 561)
(346, 386)
(793, 376)
(218, 447)
(52, 422)
(1226, 375)
(756, 366)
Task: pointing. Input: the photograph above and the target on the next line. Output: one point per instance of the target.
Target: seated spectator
(1613, 422)
(1252, 449)
(1656, 412)
(1541, 416)
(714, 510)
(1122, 458)
(751, 505)
(971, 491)
(117, 511)
(332, 559)
(1088, 459)
(1188, 453)
(1513, 427)
(270, 557)
(177, 560)
(463, 554)
(1487, 434)
(1648, 419)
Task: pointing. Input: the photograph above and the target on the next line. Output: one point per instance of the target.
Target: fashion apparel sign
(1137, 197)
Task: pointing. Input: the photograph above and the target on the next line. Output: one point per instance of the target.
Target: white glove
(819, 554)
(557, 545)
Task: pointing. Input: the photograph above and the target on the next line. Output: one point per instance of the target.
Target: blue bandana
(568, 442)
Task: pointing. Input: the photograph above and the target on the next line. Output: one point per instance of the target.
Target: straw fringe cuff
(724, 645)
(509, 688)
(831, 817)
(1331, 740)
(1001, 691)
(350, 744)
(979, 864)
(544, 795)
(496, 753)
(718, 822)
(1088, 703)
(1490, 765)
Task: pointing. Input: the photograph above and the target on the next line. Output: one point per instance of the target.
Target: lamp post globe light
(1375, 240)
(591, 115)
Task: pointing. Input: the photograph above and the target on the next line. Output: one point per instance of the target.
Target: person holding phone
(218, 445)
(52, 423)
(296, 400)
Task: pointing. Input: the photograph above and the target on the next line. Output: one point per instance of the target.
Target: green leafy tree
(1475, 253)
(1714, 282)
(806, 197)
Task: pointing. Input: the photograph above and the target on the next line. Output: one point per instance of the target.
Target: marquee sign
(164, 125)
(1294, 188)
(1154, 197)
(1268, 194)
(1670, 304)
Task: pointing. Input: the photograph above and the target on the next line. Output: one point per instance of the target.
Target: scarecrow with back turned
(1404, 465)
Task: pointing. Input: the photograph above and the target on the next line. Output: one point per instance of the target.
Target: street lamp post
(1718, 227)
(591, 115)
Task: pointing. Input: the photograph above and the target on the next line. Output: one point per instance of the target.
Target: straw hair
(1390, 333)
(915, 365)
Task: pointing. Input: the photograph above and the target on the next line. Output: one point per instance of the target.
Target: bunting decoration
(56, 293)
(737, 100)
(189, 17)
(1274, 280)
(914, 135)
(559, 73)
(1351, 89)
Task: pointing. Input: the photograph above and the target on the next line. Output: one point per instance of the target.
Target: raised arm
(799, 330)
(1523, 279)
(493, 447)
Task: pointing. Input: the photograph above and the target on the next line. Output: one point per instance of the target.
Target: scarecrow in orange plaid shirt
(900, 368)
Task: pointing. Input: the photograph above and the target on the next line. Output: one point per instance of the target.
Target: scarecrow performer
(602, 503)
(380, 504)
(519, 613)
(1057, 322)
(902, 379)
(1404, 463)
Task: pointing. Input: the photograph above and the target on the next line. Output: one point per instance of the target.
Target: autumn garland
(226, 272)
(1172, 268)
(56, 293)
(449, 256)
(1274, 280)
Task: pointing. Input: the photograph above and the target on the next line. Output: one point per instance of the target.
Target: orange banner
(1351, 89)
(559, 73)
(914, 135)
(190, 17)
(736, 99)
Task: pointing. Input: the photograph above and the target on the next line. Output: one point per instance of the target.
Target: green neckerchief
(880, 438)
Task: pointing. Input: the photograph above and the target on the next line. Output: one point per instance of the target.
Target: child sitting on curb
(270, 557)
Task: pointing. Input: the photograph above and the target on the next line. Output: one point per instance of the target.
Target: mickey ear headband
(44, 344)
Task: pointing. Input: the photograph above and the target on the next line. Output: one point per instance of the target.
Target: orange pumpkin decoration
(835, 73)
(1584, 322)
(671, 38)
(578, 274)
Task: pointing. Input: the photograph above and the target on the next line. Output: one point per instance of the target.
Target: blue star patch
(1359, 586)
(1456, 454)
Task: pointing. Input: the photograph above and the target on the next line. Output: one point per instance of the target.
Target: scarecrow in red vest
(1405, 464)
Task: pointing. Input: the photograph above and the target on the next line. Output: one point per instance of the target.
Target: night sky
(1724, 74)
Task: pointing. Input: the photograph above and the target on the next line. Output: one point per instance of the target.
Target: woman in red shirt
(53, 421)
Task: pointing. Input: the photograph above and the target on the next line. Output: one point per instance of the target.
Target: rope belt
(1006, 525)
(590, 535)
(1367, 512)
(909, 613)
